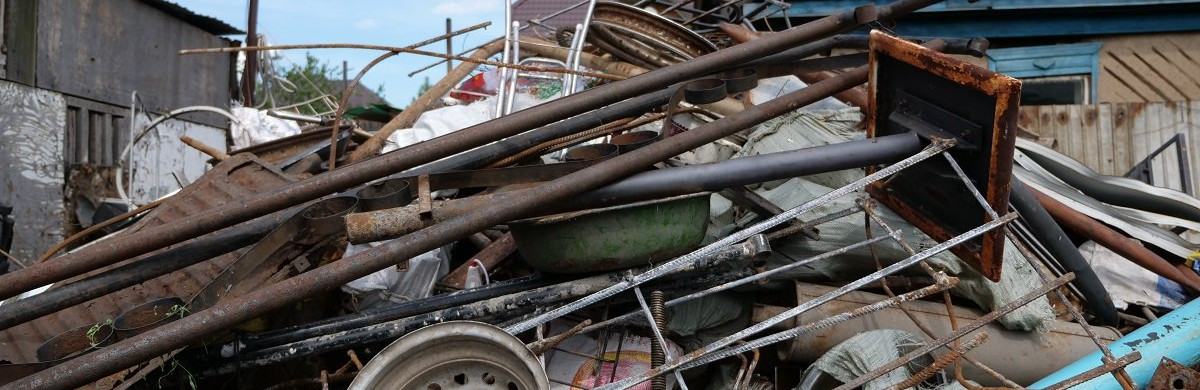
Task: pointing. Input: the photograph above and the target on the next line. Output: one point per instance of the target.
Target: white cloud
(366, 24)
(466, 7)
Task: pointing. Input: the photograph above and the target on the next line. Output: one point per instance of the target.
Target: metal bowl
(611, 238)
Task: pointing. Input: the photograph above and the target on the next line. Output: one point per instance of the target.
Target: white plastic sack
(395, 286)
(255, 127)
(1127, 282)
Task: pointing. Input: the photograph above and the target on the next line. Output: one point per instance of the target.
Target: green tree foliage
(306, 82)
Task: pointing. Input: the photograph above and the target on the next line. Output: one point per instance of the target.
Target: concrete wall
(31, 171)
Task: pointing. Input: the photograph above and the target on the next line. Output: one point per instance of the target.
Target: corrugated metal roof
(207, 23)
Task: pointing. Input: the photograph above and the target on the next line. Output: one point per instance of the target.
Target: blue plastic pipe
(1175, 336)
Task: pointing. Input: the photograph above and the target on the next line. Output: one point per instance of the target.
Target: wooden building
(69, 71)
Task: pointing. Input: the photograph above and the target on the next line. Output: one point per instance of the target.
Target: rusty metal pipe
(154, 265)
(1124, 246)
(395, 222)
(96, 365)
(105, 253)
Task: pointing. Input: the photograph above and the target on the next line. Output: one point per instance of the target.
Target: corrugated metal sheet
(1111, 137)
(1151, 68)
(245, 178)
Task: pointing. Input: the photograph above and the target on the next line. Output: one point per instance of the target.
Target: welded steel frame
(899, 105)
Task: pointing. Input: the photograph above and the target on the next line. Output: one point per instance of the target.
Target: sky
(379, 22)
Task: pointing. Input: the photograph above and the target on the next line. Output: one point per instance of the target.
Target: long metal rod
(499, 308)
(959, 333)
(739, 282)
(704, 355)
(739, 236)
(125, 353)
(1110, 367)
(203, 248)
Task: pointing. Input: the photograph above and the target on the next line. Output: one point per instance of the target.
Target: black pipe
(479, 157)
(753, 169)
(19, 311)
(1043, 227)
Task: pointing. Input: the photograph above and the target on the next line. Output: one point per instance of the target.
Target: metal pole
(112, 251)
(158, 264)
(449, 48)
(250, 71)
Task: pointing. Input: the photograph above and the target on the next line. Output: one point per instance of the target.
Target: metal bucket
(615, 237)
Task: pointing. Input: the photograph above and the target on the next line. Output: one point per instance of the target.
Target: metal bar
(1119, 373)
(494, 310)
(1116, 365)
(941, 362)
(112, 251)
(20, 311)
(741, 235)
(703, 356)
(957, 334)
(700, 357)
(1119, 243)
(971, 186)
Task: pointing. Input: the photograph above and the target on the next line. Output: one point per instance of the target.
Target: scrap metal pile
(642, 200)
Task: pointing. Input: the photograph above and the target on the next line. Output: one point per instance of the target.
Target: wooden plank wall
(1111, 137)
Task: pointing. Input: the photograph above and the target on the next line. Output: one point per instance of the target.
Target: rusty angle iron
(915, 89)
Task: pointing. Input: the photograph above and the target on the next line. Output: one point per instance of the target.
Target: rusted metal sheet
(1173, 376)
(238, 177)
(915, 89)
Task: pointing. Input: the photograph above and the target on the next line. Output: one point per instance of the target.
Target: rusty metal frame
(986, 255)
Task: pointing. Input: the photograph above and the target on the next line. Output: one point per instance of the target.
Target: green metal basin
(614, 237)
